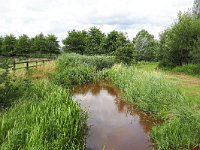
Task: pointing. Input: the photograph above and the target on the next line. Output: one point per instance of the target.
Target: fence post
(14, 65)
(43, 62)
(27, 65)
(36, 63)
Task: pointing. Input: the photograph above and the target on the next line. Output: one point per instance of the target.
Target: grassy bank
(161, 99)
(45, 118)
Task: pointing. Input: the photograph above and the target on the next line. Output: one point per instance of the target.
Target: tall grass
(152, 94)
(45, 118)
(75, 69)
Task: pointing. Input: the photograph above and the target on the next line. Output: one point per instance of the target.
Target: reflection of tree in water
(95, 89)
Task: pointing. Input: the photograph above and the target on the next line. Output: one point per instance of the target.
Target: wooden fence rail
(28, 64)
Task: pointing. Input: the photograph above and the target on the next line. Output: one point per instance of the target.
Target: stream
(114, 124)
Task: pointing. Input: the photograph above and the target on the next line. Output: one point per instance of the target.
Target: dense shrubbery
(75, 69)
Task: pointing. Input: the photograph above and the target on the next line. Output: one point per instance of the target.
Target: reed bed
(154, 95)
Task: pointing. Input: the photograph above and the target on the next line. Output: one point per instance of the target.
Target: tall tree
(23, 45)
(39, 44)
(196, 8)
(145, 46)
(9, 45)
(94, 41)
(126, 54)
(1, 42)
(178, 42)
(52, 44)
(114, 40)
(75, 42)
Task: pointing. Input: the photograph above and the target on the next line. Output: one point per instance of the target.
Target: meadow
(46, 117)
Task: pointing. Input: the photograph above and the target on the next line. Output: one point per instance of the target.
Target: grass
(74, 69)
(45, 118)
(154, 94)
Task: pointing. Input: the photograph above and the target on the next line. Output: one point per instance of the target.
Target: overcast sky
(59, 16)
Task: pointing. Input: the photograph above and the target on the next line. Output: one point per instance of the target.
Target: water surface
(115, 125)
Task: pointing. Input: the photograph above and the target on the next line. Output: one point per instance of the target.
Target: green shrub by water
(191, 69)
(45, 118)
(152, 94)
(75, 69)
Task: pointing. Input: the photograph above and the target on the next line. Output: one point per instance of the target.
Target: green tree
(1, 42)
(145, 46)
(39, 44)
(179, 40)
(196, 52)
(126, 54)
(196, 9)
(9, 45)
(52, 44)
(114, 40)
(75, 42)
(95, 39)
(23, 45)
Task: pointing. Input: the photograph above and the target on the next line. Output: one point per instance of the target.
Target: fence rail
(29, 64)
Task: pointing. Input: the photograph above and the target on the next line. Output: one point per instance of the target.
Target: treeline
(26, 46)
(178, 45)
(94, 41)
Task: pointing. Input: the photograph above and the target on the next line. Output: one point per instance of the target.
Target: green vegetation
(25, 46)
(45, 118)
(74, 69)
(161, 99)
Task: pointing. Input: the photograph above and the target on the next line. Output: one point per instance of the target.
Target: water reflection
(114, 124)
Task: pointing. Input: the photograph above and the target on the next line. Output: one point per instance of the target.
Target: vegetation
(161, 99)
(25, 46)
(45, 118)
(74, 69)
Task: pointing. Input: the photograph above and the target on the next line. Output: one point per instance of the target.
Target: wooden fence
(29, 64)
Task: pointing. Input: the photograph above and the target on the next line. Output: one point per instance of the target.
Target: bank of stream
(114, 124)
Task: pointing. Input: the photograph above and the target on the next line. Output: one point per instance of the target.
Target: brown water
(115, 125)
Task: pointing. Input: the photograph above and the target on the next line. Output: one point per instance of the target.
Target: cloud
(58, 17)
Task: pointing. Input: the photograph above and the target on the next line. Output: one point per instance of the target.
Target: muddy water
(115, 125)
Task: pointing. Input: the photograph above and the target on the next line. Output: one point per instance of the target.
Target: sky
(60, 16)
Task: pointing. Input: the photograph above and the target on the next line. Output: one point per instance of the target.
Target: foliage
(113, 41)
(196, 9)
(161, 99)
(191, 69)
(46, 118)
(145, 46)
(25, 46)
(94, 41)
(178, 41)
(76, 42)
(126, 54)
(9, 45)
(195, 53)
(74, 69)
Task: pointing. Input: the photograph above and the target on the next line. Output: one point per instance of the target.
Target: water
(115, 125)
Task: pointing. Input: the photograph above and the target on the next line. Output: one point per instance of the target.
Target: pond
(114, 124)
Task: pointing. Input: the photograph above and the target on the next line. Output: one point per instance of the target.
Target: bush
(126, 54)
(191, 69)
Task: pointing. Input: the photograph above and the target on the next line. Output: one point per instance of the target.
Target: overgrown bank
(46, 117)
